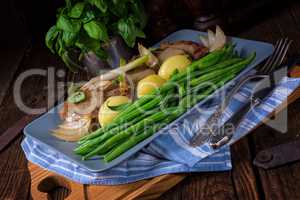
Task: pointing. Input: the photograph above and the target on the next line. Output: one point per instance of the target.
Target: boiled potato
(106, 115)
(178, 62)
(148, 84)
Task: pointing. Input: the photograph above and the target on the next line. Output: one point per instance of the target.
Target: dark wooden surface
(244, 182)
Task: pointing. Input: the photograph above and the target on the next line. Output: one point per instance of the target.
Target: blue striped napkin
(170, 152)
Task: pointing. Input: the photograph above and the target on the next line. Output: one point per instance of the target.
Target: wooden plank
(203, 186)
(243, 174)
(14, 175)
(282, 182)
(14, 43)
(10, 60)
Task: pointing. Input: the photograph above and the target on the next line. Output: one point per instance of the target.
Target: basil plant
(84, 26)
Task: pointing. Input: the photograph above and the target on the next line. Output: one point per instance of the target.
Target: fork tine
(270, 60)
(280, 56)
(273, 57)
(283, 54)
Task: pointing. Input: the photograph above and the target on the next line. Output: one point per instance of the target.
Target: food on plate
(214, 41)
(76, 97)
(193, 49)
(73, 129)
(171, 65)
(107, 113)
(152, 59)
(169, 52)
(149, 84)
(168, 81)
(143, 117)
(138, 74)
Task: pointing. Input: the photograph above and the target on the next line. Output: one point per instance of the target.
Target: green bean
(139, 102)
(135, 139)
(205, 62)
(125, 117)
(132, 141)
(142, 109)
(106, 146)
(96, 140)
(86, 147)
(229, 52)
(96, 133)
(190, 100)
(220, 65)
(209, 60)
(208, 76)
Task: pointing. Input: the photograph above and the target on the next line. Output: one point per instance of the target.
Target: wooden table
(244, 182)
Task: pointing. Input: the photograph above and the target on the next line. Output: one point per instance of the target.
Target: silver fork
(206, 133)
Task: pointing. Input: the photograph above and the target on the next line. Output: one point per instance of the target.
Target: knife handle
(278, 155)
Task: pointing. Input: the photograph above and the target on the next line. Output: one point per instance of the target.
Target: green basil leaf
(51, 37)
(119, 8)
(88, 15)
(85, 43)
(68, 3)
(59, 11)
(70, 25)
(68, 61)
(138, 12)
(96, 30)
(60, 45)
(77, 10)
(69, 38)
(100, 53)
(139, 33)
(129, 32)
(100, 4)
(125, 31)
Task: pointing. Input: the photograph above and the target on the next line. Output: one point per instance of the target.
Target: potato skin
(178, 62)
(148, 84)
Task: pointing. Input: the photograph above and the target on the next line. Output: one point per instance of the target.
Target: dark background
(32, 18)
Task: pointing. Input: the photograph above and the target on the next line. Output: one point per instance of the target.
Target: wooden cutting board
(43, 181)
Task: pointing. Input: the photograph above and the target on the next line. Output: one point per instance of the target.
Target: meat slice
(169, 52)
(195, 50)
(138, 74)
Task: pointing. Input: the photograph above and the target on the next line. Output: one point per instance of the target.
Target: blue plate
(40, 128)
